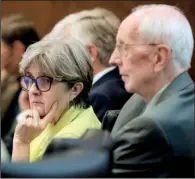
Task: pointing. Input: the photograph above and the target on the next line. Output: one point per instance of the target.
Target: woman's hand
(30, 126)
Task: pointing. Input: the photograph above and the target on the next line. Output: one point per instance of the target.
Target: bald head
(163, 24)
(154, 46)
(155, 9)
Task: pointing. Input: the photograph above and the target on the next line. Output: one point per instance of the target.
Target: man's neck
(98, 69)
(150, 93)
(154, 87)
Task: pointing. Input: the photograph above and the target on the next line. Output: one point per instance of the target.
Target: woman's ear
(76, 90)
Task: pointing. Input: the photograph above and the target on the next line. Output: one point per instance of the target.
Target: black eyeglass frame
(34, 80)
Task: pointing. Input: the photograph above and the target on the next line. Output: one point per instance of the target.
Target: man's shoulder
(172, 106)
(109, 85)
(109, 77)
(170, 118)
(172, 100)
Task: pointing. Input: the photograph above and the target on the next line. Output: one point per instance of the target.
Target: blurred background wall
(46, 13)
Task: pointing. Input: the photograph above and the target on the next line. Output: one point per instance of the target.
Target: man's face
(10, 57)
(134, 57)
(6, 54)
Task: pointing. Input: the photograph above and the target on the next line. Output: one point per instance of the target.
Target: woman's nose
(33, 89)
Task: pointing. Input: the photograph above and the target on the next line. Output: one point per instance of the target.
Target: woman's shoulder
(86, 119)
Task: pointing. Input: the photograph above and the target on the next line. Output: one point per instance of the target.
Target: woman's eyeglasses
(43, 83)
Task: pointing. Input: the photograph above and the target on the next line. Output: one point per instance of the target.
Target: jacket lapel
(133, 108)
(181, 82)
(136, 105)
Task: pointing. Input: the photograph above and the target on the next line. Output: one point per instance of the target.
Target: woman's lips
(36, 103)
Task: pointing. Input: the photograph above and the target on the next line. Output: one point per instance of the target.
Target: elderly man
(97, 29)
(154, 131)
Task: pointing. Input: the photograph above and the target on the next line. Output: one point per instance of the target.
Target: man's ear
(162, 57)
(93, 51)
(76, 90)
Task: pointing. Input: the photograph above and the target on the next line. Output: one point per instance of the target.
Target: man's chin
(129, 89)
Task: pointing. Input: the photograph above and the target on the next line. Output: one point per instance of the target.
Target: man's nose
(114, 59)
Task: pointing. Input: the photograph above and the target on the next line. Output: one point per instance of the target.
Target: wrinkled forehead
(128, 30)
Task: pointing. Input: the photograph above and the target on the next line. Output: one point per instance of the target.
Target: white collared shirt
(102, 73)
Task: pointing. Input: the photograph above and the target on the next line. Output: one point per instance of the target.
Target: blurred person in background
(57, 74)
(154, 132)
(97, 29)
(17, 33)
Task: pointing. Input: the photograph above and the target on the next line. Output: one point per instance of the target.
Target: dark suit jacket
(157, 141)
(8, 119)
(8, 122)
(108, 93)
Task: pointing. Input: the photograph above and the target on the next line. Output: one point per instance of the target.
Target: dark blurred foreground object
(109, 119)
(89, 156)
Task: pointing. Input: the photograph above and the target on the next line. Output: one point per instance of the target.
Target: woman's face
(43, 101)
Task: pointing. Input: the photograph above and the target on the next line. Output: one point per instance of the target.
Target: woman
(57, 75)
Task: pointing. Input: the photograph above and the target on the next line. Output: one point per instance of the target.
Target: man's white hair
(171, 28)
(97, 26)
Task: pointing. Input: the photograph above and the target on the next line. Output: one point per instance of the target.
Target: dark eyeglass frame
(119, 46)
(34, 80)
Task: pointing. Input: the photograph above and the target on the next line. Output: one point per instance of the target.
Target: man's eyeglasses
(43, 83)
(122, 48)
